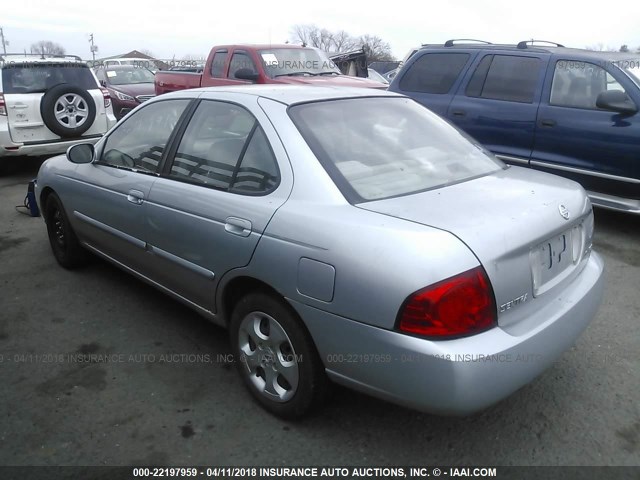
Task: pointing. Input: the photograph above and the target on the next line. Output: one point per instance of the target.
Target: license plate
(550, 259)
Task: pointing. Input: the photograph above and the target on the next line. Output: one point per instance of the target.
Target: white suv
(48, 103)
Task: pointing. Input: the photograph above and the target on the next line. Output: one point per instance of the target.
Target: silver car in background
(339, 234)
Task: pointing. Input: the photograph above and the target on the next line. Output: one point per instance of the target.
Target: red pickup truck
(246, 64)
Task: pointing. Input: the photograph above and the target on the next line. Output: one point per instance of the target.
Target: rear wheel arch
(239, 287)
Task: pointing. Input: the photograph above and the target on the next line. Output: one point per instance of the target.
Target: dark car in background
(561, 110)
(129, 86)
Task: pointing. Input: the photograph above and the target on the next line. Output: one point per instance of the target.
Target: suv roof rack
(525, 43)
(39, 55)
(451, 43)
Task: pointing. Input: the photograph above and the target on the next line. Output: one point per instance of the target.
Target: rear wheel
(64, 243)
(277, 358)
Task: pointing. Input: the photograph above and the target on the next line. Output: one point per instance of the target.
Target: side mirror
(103, 83)
(80, 153)
(246, 74)
(616, 101)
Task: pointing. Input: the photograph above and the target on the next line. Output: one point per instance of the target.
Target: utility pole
(94, 48)
(3, 41)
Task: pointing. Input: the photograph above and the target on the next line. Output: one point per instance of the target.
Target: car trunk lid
(514, 222)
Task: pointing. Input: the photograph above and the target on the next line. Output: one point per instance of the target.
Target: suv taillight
(3, 106)
(107, 97)
(458, 306)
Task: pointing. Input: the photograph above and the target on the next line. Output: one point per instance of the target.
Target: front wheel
(277, 358)
(64, 243)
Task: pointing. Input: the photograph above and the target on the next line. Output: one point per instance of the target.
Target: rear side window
(434, 72)
(39, 77)
(506, 77)
(217, 64)
(224, 147)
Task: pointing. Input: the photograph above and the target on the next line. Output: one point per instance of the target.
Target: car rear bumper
(455, 377)
(8, 148)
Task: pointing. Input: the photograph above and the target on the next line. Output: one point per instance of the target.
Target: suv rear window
(434, 72)
(375, 148)
(39, 77)
(506, 77)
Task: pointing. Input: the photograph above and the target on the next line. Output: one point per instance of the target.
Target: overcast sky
(182, 27)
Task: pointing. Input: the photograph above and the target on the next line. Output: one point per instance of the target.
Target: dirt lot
(161, 391)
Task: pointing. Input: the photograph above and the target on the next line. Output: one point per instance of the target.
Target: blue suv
(566, 111)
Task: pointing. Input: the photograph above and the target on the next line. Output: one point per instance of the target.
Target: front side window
(578, 84)
(139, 142)
(434, 72)
(239, 61)
(375, 148)
(506, 77)
(224, 147)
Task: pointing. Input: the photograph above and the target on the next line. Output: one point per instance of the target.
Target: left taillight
(3, 106)
(456, 307)
(107, 97)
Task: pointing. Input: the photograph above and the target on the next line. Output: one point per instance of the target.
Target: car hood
(502, 218)
(135, 89)
(332, 80)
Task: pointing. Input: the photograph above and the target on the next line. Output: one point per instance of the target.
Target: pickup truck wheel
(67, 110)
(64, 243)
(276, 356)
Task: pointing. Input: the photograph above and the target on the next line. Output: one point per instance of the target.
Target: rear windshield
(129, 76)
(39, 77)
(375, 148)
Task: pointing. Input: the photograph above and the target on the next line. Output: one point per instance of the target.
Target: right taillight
(3, 106)
(107, 97)
(458, 306)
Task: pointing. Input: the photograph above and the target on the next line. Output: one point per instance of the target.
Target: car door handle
(547, 122)
(458, 113)
(135, 196)
(238, 226)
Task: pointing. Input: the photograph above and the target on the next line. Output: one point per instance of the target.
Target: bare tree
(147, 52)
(600, 47)
(377, 50)
(341, 41)
(46, 47)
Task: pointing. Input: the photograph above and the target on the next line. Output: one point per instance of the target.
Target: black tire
(64, 243)
(79, 114)
(312, 385)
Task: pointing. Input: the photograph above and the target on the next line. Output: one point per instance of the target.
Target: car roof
(260, 46)
(21, 58)
(557, 50)
(292, 94)
(121, 67)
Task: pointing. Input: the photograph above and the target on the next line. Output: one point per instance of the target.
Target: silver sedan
(341, 235)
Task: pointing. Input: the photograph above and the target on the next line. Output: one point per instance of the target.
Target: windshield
(297, 61)
(634, 73)
(38, 77)
(375, 148)
(127, 76)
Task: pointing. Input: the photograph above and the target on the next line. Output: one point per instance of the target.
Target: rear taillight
(3, 106)
(107, 97)
(459, 306)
